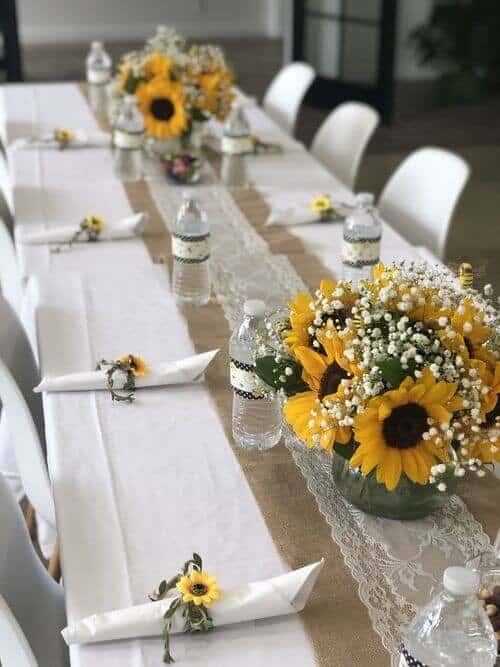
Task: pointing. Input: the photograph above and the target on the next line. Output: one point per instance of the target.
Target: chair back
(421, 195)
(6, 193)
(342, 138)
(11, 284)
(31, 603)
(285, 94)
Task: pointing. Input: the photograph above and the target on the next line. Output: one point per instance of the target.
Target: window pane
(322, 46)
(325, 6)
(360, 53)
(363, 9)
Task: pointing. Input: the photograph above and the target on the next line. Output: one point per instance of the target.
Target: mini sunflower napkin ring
(130, 365)
(63, 137)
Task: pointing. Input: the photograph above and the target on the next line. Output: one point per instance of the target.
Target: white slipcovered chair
(11, 284)
(342, 138)
(285, 94)
(421, 195)
(6, 193)
(31, 603)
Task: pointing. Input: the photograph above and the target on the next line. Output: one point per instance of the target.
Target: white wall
(44, 21)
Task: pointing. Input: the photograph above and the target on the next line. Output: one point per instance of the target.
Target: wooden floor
(473, 132)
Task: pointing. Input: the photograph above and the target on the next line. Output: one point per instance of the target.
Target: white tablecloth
(138, 488)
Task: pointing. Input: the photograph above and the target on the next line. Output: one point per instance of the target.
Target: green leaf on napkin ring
(130, 365)
(196, 592)
(63, 137)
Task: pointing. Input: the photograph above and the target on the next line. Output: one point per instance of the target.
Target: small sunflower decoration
(162, 105)
(398, 375)
(64, 137)
(197, 591)
(131, 366)
(90, 229)
(322, 204)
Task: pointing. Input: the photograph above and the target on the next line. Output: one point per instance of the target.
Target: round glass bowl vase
(407, 501)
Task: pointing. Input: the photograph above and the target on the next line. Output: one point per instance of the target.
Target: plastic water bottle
(191, 254)
(99, 66)
(256, 417)
(453, 629)
(128, 137)
(236, 135)
(361, 242)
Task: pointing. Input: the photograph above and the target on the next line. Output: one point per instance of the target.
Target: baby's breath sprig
(196, 592)
(129, 365)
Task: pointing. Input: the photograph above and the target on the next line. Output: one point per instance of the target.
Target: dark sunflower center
(162, 109)
(331, 380)
(491, 417)
(198, 589)
(405, 425)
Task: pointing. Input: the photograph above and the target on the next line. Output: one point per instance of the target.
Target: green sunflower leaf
(274, 374)
(393, 373)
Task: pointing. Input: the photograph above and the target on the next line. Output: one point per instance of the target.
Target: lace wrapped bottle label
(243, 380)
(98, 77)
(191, 249)
(360, 252)
(128, 141)
(407, 660)
(236, 145)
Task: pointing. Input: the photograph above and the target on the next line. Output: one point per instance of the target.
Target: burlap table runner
(336, 620)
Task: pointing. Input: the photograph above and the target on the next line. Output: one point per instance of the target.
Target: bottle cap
(254, 308)
(365, 198)
(461, 581)
(96, 45)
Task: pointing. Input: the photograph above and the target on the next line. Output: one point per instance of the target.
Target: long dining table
(138, 488)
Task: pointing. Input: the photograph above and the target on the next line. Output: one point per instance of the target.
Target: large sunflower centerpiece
(177, 86)
(397, 379)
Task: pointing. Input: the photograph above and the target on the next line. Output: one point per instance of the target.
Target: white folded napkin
(300, 213)
(123, 229)
(286, 594)
(82, 139)
(174, 372)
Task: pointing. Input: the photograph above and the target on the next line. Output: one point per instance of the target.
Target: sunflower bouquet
(398, 376)
(177, 85)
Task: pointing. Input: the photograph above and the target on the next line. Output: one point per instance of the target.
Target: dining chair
(6, 194)
(421, 195)
(17, 355)
(285, 94)
(11, 284)
(32, 611)
(3, 124)
(342, 138)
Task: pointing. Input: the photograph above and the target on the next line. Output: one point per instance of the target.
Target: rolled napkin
(174, 372)
(79, 139)
(297, 210)
(279, 596)
(123, 229)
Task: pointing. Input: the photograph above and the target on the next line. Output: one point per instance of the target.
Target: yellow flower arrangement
(199, 588)
(157, 64)
(162, 105)
(400, 375)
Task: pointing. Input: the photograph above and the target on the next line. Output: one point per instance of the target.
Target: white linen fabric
(175, 372)
(279, 596)
(189, 493)
(121, 229)
(298, 212)
(82, 139)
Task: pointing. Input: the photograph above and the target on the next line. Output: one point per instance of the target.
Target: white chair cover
(285, 94)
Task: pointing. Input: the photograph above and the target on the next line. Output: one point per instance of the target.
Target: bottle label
(128, 141)
(98, 77)
(236, 145)
(408, 660)
(243, 380)
(191, 249)
(360, 252)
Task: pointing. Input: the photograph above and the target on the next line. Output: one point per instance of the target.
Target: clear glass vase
(407, 501)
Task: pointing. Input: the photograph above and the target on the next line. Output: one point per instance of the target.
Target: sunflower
(199, 588)
(162, 105)
(470, 333)
(137, 364)
(157, 64)
(321, 204)
(394, 435)
(324, 374)
(94, 223)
